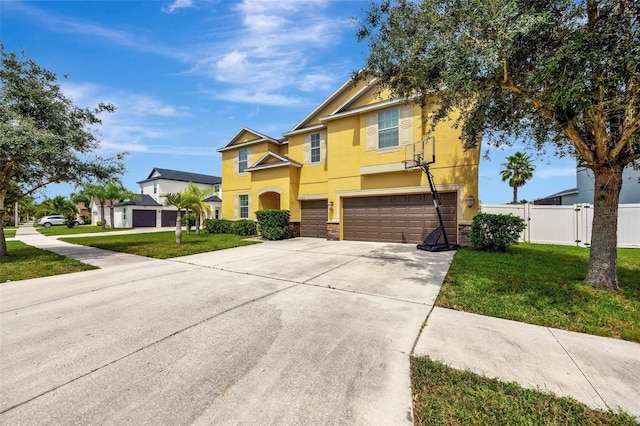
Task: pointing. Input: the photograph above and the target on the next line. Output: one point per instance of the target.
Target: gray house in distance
(583, 193)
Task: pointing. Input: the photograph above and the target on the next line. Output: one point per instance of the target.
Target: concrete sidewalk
(597, 371)
(28, 234)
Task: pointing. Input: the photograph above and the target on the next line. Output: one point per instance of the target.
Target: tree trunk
(515, 195)
(179, 228)
(3, 240)
(103, 223)
(198, 223)
(112, 216)
(603, 258)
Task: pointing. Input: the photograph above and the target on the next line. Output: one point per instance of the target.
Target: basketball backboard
(420, 153)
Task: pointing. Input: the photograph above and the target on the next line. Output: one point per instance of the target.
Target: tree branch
(625, 137)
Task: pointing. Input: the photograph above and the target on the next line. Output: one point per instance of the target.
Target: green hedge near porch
(273, 224)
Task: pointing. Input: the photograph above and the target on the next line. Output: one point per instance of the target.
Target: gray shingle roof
(145, 200)
(169, 174)
(212, 198)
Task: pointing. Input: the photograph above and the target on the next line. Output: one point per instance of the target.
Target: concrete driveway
(301, 331)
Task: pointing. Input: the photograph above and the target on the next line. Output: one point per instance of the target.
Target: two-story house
(340, 171)
(150, 210)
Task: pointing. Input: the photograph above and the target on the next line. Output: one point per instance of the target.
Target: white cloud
(177, 4)
(257, 97)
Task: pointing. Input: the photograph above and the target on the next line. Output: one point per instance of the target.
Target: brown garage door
(144, 218)
(168, 217)
(398, 218)
(313, 222)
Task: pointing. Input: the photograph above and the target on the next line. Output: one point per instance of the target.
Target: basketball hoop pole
(417, 156)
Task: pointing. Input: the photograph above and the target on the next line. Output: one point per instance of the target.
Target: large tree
(559, 72)
(517, 171)
(44, 137)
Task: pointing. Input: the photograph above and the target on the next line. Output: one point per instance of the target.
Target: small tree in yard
(44, 137)
(560, 72)
(200, 208)
(179, 201)
(105, 193)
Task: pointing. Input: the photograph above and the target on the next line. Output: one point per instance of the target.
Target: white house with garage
(150, 211)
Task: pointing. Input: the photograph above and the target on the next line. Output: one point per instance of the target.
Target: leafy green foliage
(273, 224)
(542, 284)
(560, 72)
(495, 232)
(446, 396)
(517, 171)
(219, 226)
(244, 227)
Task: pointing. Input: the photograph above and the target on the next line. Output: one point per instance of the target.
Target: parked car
(56, 219)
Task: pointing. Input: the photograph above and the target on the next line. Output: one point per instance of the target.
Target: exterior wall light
(470, 200)
(330, 205)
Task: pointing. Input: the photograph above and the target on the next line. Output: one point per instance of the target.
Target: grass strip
(81, 229)
(162, 245)
(24, 262)
(542, 284)
(9, 232)
(446, 396)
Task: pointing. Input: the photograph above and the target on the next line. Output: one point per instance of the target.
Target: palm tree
(177, 200)
(517, 170)
(107, 193)
(197, 203)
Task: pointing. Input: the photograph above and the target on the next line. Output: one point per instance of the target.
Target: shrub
(244, 227)
(495, 232)
(273, 224)
(219, 226)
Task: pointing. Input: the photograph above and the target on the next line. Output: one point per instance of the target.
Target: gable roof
(271, 160)
(144, 200)
(253, 138)
(169, 174)
(212, 198)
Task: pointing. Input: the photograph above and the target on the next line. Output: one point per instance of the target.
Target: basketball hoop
(410, 164)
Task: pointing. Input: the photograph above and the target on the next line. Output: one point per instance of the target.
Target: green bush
(273, 224)
(219, 226)
(244, 227)
(495, 232)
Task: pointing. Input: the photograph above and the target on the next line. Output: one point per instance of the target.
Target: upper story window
(315, 147)
(388, 128)
(155, 188)
(242, 160)
(216, 189)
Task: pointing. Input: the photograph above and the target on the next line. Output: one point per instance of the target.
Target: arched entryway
(269, 200)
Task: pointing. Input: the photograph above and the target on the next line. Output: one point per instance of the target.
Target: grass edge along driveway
(162, 245)
(542, 284)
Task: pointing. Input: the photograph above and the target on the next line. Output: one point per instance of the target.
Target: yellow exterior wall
(342, 173)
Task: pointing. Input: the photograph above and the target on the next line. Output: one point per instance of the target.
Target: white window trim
(307, 149)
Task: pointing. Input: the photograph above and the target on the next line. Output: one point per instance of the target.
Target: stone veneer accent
(333, 231)
(294, 229)
(463, 234)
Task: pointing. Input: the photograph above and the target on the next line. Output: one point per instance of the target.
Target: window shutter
(249, 156)
(372, 132)
(323, 147)
(405, 125)
(249, 206)
(236, 208)
(236, 163)
(306, 148)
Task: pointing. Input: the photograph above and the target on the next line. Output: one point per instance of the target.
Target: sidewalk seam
(578, 367)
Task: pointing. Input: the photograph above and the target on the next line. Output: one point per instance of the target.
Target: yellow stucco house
(340, 172)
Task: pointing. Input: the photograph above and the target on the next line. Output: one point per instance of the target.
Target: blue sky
(187, 75)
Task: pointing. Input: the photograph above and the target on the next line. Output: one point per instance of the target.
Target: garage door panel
(313, 220)
(407, 218)
(144, 218)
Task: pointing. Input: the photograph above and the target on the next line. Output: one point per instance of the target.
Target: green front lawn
(26, 262)
(10, 231)
(162, 245)
(446, 396)
(81, 229)
(542, 284)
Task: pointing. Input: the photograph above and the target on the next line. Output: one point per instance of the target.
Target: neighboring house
(339, 172)
(149, 210)
(583, 193)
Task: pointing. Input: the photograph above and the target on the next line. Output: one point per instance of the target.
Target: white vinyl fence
(569, 225)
